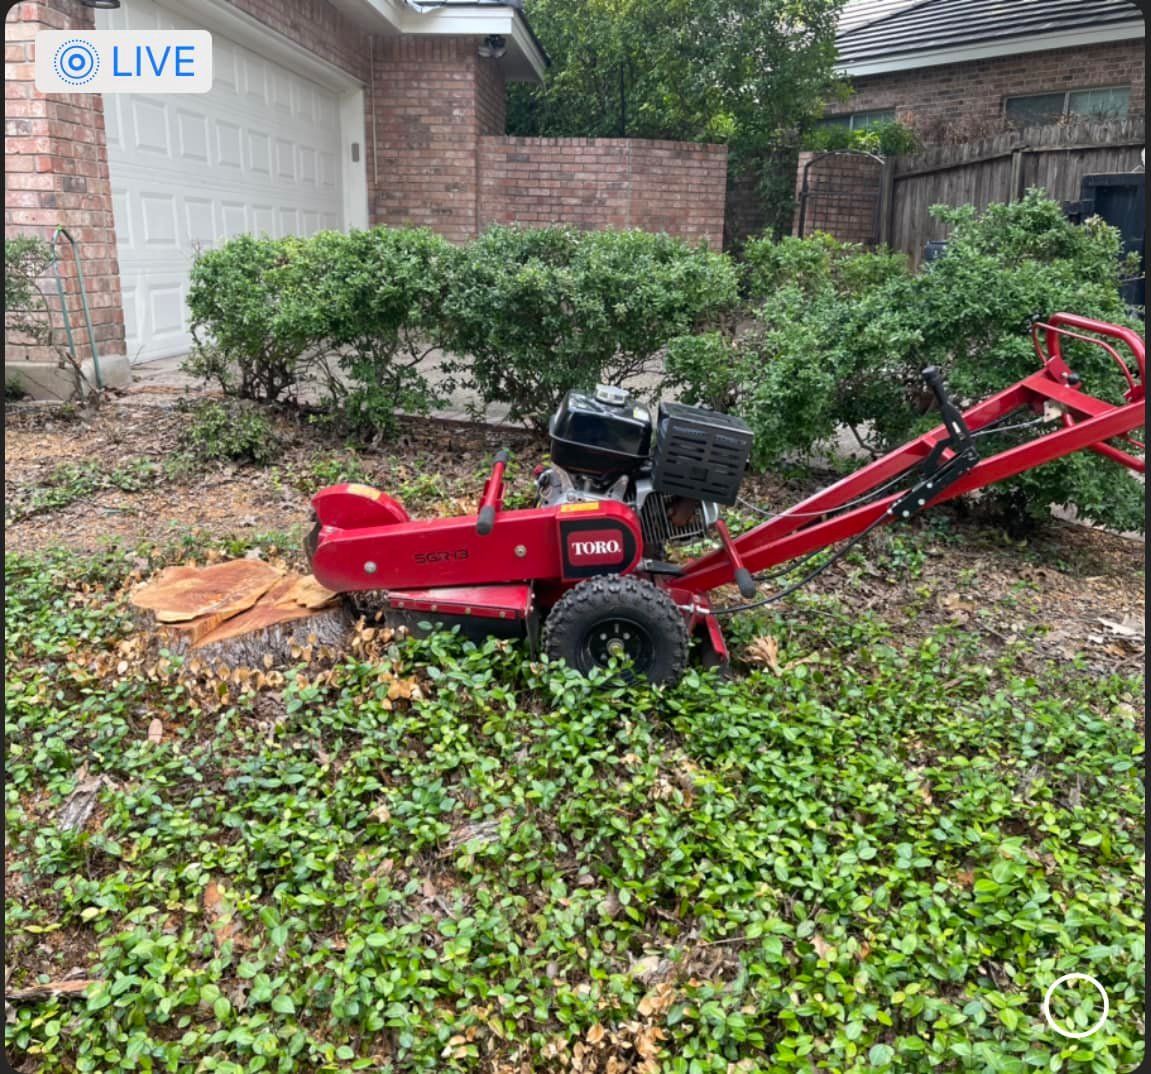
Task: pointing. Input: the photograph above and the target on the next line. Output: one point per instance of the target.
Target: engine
(673, 470)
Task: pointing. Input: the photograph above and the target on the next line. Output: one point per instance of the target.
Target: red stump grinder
(588, 562)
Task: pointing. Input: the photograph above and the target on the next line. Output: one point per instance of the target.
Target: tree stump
(240, 612)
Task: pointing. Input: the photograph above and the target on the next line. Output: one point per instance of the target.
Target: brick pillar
(56, 173)
(431, 99)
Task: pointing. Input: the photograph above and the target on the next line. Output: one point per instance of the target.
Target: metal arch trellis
(806, 194)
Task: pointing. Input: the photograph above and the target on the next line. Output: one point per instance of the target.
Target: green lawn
(428, 856)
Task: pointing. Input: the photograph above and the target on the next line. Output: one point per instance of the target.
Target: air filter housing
(699, 453)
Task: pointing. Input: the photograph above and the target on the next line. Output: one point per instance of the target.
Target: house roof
(879, 35)
(524, 59)
(860, 12)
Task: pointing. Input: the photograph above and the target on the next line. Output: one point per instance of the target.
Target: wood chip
(52, 988)
(310, 594)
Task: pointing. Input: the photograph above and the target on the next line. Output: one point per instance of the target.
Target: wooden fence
(999, 169)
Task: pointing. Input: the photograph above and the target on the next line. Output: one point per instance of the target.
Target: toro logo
(595, 548)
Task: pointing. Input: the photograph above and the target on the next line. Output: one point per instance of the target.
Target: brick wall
(425, 110)
(961, 102)
(676, 187)
(440, 159)
(56, 173)
(319, 27)
(843, 197)
(491, 97)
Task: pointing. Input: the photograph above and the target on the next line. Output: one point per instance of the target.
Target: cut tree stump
(240, 611)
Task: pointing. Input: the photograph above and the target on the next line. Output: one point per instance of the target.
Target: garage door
(259, 153)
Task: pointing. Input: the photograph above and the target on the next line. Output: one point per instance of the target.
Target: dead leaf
(156, 731)
(1129, 627)
(765, 650)
(219, 913)
(822, 948)
(595, 1034)
(658, 1000)
(647, 1041)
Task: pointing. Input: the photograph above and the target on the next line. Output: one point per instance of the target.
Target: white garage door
(260, 153)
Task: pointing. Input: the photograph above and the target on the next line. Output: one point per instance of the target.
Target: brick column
(430, 100)
(56, 173)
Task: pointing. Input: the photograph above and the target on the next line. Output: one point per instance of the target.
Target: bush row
(523, 315)
(840, 336)
(801, 337)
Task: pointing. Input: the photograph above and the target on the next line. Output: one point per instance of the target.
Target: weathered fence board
(999, 169)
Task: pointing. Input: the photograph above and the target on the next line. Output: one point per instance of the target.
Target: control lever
(937, 475)
(952, 415)
(742, 575)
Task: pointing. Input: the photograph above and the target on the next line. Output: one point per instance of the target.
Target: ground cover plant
(917, 802)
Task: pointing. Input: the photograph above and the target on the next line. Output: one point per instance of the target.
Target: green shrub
(887, 139)
(539, 311)
(25, 313)
(373, 298)
(839, 346)
(231, 431)
(815, 264)
(254, 336)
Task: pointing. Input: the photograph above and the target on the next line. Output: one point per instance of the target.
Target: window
(1039, 108)
(859, 121)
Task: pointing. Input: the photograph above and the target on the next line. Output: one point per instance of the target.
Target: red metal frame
(1087, 424)
(366, 541)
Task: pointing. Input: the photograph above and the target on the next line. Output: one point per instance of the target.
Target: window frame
(887, 113)
(1067, 94)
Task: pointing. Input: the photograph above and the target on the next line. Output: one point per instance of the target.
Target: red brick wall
(56, 173)
(424, 100)
(491, 97)
(843, 197)
(319, 27)
(443, 161)
(676, 187)
(962, 102)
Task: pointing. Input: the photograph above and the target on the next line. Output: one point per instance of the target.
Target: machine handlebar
(493, 495)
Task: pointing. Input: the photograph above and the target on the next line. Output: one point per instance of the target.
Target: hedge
(838, 339)
(532, 313)
(841, 336)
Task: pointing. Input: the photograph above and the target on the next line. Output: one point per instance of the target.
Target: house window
(1037, 109)
(859, 121)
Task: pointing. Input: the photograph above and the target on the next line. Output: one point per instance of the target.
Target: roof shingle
(941, 24)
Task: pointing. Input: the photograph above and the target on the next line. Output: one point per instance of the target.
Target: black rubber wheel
(622, 617)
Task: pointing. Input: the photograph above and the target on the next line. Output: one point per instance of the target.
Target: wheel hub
(619, 639)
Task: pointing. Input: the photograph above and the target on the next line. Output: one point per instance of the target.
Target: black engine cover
(607, 433)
